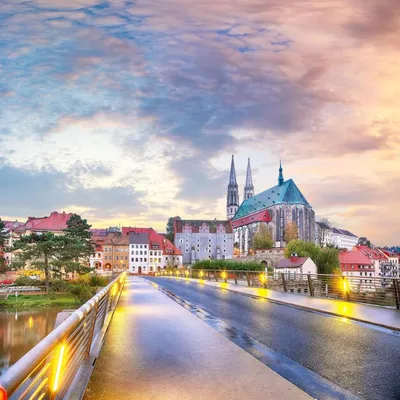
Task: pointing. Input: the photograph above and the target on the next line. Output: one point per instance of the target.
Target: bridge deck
(155, 349)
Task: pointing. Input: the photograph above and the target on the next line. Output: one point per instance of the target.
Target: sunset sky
(128, 112)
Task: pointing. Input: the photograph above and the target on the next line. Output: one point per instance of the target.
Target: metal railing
(382, 291)
(48, 370)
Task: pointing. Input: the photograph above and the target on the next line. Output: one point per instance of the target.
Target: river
(20, 330)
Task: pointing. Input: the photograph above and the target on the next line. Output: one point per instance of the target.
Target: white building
(151, 252)
(296, 265)
(329, 236)
(204, 239)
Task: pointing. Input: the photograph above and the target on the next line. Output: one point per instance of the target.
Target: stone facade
(203, 240)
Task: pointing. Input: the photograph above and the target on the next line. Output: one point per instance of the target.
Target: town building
(150, 252)
(358, 265)
(296, 265)
(386, 262)
(276, 206)
(115, 252)
(203, 239)
(326, 235)
(56, 222)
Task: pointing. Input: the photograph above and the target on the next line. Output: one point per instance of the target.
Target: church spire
(232, 175)
(280, 179)
(232, 198)
(248, 187)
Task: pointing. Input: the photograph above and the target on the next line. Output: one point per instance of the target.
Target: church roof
(286, 193)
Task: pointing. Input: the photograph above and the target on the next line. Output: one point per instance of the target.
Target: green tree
(77, 246)
(363, 241)
(39, 251)
(170, 229)
(262, 239)
(326, 259)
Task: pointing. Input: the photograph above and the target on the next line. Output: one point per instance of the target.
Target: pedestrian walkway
(157, 350)
(381, 316)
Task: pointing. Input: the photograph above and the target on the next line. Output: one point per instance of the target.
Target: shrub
(84, 279)
(229, 265)
(25, 281)
(81, 293)
(58, 285)
(98, 281)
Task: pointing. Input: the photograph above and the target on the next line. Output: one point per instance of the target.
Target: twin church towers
(232, 200)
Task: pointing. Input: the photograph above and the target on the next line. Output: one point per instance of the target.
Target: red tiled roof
(354, 258)
(292, 262)
(373, 254)
(156, 240)
(388, 253)
(54, 222)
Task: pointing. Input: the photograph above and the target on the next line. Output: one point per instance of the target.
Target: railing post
(248, 279)
(208, 276)
(396, 287)
(235, 278)
(216, 276)
(310, 285)
(284, 282)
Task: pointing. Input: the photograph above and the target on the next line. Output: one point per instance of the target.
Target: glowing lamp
(223, 275)
(186, 273)
(201, 274)
(3, 394)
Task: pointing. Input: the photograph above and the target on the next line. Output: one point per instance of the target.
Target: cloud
(154, 96)
(40, 192)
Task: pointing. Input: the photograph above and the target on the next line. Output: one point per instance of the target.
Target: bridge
(219, 337)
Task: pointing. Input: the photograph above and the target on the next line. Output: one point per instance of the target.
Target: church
(275, 206)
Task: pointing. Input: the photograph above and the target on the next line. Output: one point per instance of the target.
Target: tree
(170, 228)
(262, 239)
(326, 259)
(77, 246)
(363, 241)
(3, 237)
(40, 251)
(323, 229)
(291, 232)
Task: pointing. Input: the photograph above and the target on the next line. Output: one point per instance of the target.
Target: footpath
(381, 316)
(157, 350)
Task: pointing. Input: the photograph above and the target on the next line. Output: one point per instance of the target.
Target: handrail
(382, 291)
(66, 347)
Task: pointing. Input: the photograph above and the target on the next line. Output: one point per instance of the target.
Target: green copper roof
(286, 193)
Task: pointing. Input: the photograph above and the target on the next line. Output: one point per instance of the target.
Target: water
(20, 330)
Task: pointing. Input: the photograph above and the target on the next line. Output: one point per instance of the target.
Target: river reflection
(21, 330)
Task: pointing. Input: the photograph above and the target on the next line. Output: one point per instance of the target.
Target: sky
(128, 112)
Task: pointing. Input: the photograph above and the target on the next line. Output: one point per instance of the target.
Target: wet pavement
(381, 316)
(360, 358)
(155, 349)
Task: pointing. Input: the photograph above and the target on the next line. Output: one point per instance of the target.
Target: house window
(116, 258)
(132, 259)
(137, 260)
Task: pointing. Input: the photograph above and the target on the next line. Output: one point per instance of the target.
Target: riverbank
(43, 300)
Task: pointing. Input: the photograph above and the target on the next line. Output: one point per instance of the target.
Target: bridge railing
(50, 369)
(382, 291)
